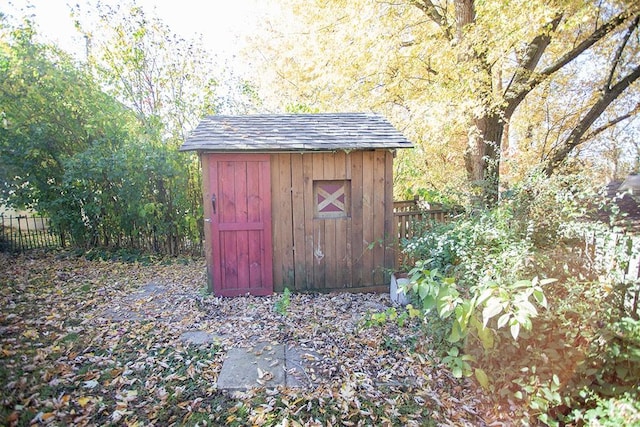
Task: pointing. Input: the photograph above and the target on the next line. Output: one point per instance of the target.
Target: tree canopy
(480, 86)
(169, 82)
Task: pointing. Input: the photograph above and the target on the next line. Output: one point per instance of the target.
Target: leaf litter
(100, 342)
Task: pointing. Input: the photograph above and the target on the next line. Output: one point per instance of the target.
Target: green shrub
(618, 411)
(534, 315)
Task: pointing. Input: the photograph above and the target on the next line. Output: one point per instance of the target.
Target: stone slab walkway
(265, 365)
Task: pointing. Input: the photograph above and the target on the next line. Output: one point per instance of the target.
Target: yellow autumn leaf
(483, 378)
(30, 333)
(84, 400)
(47, 416)
(7, 352)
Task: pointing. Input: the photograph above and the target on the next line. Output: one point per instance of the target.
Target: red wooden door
(240, 212)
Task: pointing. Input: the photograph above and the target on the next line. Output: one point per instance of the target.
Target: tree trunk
(482, 157)
(465, 14)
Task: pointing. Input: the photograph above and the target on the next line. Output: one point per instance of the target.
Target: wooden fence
(20, 233)
(615, 254)
(410, 216)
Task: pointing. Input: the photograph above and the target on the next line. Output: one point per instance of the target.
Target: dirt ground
(84, 342)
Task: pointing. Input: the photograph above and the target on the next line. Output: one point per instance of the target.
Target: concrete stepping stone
(197, 337)
(265, 365)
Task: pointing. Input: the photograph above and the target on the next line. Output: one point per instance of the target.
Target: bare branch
(576, 136)
(618, 54)
(532, 54)
(612, 123)
(432, 12)
(536, 78)
(596, 36)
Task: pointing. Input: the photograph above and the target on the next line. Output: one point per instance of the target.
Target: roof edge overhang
(288, 149)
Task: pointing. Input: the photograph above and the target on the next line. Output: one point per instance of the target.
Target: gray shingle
(294, 132)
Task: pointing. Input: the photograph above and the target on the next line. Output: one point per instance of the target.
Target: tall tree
(464, 68)
(167, 80)
(50, 110)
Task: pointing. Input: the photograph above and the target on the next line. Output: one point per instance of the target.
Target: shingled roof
(294, 132)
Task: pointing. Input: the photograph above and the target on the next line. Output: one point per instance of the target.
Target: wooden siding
(326, 254)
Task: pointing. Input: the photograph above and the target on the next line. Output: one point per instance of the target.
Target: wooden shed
(298, 201)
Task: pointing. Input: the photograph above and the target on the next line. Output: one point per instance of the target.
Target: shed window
(332, 198)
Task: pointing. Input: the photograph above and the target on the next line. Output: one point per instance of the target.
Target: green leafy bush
(618, 411)
(532, 306)
(104, 176)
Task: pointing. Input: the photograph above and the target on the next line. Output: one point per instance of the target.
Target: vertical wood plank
(357, 218)
(368, 207)
(266, 244)
(319, 255)
(217, 252)
(331, 240)
(225, 204)
(242, 258)
(252, 189)
(379, 217)
(241, 197)
(318, 237)
(283, 220)
(297, 201)
(348, 232)
(229, 256)
(343, 271)
(329, 166)
(318, 165)
(389, 236)
(276, 214)
(308, 209)
(340, 163)
(242, 194)
(206, 192)
(255, 272)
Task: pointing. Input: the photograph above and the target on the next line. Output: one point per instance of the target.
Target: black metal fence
(21, 233)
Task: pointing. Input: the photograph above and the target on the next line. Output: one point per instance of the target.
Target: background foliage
(105, 172)
(532, 309)
(487, 90)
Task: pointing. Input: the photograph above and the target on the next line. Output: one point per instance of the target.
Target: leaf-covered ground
(99, 342)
